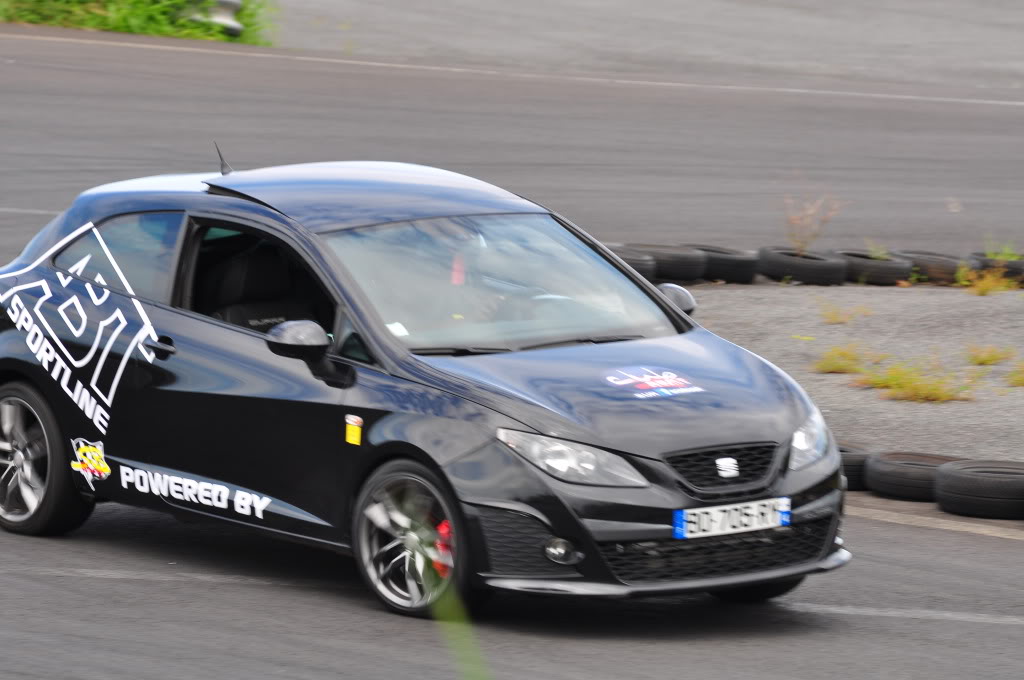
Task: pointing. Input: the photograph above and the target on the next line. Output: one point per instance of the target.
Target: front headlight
(572, 462)
(809, 443)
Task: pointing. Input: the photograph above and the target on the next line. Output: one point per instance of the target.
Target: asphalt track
(136, 595)
(656, 158)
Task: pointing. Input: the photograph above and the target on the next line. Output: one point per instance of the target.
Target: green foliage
(876, 250)
(173, 18)
(987, 355)
(910, 382)
(1016, 377)
(1001, 252)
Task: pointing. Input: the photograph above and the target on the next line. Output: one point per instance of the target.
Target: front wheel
(409, 542)
(757, 592)
(37, 492)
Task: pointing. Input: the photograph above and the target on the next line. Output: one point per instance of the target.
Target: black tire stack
(785, 264)
(674, 263)
(931, 267)
(861, 267)
(981, 488)
(728, 264)
(643, 263)
(975, 488)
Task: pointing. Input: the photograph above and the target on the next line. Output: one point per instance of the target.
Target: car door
(233, 429)
(81, 310)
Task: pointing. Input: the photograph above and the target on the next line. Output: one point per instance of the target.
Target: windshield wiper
(458, 351)
(597, 339)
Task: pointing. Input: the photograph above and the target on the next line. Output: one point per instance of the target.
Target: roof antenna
(225, 169)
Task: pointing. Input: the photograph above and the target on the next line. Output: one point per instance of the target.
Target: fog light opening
(561, 551)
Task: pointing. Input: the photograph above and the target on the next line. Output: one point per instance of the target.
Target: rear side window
(134, 254)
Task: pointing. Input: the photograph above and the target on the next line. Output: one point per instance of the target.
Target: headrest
(257, 275)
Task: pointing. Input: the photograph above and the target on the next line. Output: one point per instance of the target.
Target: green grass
(909, 382)
(150, 17)
(987, 355)
(1015, 378)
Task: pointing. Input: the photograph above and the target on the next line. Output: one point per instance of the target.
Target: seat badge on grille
(727, 467)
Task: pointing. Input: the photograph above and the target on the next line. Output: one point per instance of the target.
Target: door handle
(162, 347)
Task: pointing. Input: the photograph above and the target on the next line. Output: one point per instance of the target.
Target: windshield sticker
(90, 461)
(650, 383)
(397, 329)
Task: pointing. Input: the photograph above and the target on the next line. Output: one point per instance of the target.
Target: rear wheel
(410, 543)
(758, 592)
(37, 492)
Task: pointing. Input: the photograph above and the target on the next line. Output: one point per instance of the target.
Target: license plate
(738, 518)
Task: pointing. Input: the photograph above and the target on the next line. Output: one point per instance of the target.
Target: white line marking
(28, 211)
(533, 76)
(934, 523)
(920, 614)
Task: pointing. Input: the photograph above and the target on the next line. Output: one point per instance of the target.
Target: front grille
(515, 544)
(677, 560)
(700, 469)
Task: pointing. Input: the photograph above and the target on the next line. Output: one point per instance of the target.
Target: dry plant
(1016, 376)
(834, 314)
(984, 282)
(912, 382)
(806, 220)
(846, 359)
(987, 355)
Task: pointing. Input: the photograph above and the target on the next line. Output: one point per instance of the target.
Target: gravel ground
(909, 323)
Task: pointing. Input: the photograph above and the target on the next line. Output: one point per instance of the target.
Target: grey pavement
(135, 594)
(626, 161)
(965, 42)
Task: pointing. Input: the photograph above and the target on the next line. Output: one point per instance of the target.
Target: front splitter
(834, 560)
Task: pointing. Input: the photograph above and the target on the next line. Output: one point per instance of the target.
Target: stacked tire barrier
(977, 488)
(689, 262)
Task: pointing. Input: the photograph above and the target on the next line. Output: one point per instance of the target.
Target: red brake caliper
(443, 545)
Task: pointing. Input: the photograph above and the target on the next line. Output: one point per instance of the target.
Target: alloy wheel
(406, 542)
(24, 460)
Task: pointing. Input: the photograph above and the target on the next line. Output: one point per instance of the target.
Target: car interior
(254, 282)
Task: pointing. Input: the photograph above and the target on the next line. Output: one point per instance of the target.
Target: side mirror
(680, 297)
(304, 340)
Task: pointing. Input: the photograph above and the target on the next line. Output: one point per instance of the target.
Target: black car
(451, 382)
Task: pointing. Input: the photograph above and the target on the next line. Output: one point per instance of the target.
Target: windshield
(493, 283)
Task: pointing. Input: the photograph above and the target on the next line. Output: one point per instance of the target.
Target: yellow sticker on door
(353, 430)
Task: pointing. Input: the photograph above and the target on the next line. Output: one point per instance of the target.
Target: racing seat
(254, 290)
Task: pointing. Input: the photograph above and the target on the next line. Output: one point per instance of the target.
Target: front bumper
(567, 587)
(626, 539)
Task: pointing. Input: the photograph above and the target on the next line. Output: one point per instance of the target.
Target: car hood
(645, 397)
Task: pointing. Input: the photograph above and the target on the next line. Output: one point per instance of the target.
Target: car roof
(328, 196)
(343, 194)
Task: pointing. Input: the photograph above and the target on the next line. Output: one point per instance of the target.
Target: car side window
(249, 280)
(133, 254)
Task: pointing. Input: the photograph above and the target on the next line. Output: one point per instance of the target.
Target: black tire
(1014, 268)
(981, 488)
(820, 269)
(932, 267)
(757, 592)
(854, 458)
(644, 263)
(904, 475)
(727, 264)
(456, 596)
(674, 263)
(62, 508)
(862, 268)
